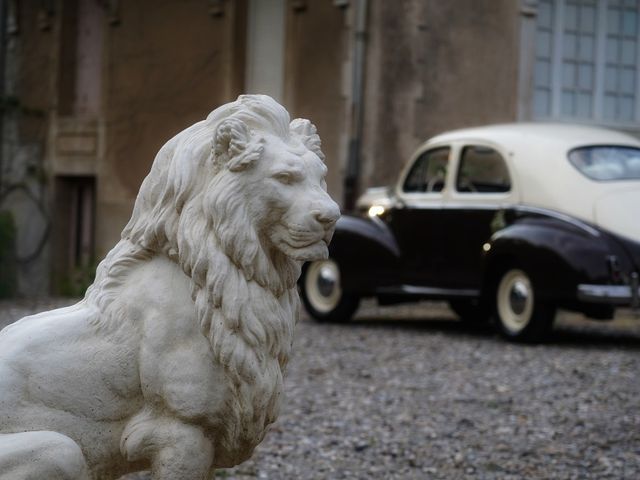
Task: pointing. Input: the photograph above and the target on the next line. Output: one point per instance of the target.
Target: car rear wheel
(520, 315)
(322, 294)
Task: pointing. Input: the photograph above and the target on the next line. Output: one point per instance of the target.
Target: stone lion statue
(174, 359)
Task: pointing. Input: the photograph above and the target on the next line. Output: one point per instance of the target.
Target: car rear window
(607, 163)
(482, 170)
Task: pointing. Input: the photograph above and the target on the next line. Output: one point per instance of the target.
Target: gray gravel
(409, 393)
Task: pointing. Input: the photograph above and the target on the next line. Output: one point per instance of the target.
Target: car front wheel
(322, 294)
(520, 315)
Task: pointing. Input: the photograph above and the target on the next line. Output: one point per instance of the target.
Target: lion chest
(184, 379)
(219, 379)
(177, 368)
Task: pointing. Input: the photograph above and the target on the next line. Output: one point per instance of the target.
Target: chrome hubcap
(515, 299)
(327, 280)
(518, 297)
(322, 285)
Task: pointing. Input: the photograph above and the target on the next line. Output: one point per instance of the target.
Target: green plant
(13, 104)
(76, 282)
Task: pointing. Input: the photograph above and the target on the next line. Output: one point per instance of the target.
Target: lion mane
(191, 208)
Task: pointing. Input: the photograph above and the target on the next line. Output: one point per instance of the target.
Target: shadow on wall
(8, 278)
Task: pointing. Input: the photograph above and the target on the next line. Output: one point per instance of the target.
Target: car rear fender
(558, 256)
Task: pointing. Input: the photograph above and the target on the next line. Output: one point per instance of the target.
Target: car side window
(428, 172)
(482, 170)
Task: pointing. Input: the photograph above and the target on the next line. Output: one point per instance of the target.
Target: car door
(482, 187)
(417, 217)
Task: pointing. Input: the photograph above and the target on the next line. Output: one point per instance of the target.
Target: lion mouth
(299, 245)
(312, 252)
(302, 238)
(309, 250)
(302, 244)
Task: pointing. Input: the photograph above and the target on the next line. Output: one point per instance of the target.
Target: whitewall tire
(322, 294)
(519, 313)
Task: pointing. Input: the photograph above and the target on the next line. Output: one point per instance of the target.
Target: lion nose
(327, 217)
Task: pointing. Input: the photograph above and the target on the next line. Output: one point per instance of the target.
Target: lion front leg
(190, 458)
(41, 455)
(175, 450)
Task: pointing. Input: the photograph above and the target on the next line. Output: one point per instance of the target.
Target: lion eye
(284, 177)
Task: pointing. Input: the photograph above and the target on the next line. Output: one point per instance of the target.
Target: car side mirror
(398, 203)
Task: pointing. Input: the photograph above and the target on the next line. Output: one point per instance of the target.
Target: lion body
(157, 360)
(174, 360)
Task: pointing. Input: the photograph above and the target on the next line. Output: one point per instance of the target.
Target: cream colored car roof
(537, 153)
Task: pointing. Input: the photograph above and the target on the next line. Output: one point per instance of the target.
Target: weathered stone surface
(174, 359)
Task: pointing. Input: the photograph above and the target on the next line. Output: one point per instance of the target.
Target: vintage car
(505, 222)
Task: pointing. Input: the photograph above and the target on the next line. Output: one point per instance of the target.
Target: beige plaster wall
(316, 49)
(31, 73)
(430, 66)
(470, 67)
(434, 66)
(167, 64)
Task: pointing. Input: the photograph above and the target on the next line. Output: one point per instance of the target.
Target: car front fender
(367, 253)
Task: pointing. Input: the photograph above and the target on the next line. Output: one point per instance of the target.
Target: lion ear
(308, 134)
(233, 147)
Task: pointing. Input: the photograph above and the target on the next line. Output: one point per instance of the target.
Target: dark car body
(490, 201)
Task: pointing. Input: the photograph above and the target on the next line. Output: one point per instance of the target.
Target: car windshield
(607, 162)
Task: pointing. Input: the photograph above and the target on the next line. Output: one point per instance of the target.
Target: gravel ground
(409, 393)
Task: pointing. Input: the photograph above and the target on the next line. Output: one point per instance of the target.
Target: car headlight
(376, 210)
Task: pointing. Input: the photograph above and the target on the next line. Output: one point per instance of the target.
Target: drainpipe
(356, 111)
(3, 46)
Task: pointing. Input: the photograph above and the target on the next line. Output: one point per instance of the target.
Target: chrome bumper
(624, 295)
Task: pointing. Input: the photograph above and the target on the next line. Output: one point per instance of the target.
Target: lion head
(251, 178)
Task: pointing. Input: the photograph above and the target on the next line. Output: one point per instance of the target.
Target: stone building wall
(317, 50)
(434, 66)
(92, 91)
(166, 65)
(103, 84)
(28, 84)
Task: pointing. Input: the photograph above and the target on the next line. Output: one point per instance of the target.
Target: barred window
(586, 63)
